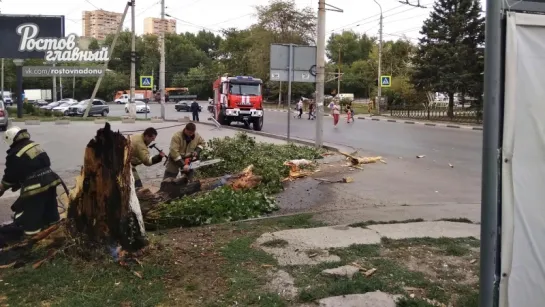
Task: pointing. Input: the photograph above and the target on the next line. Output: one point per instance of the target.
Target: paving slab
(370, 299)
(324, 237)
(310, 246)
(427, 229)
(343, 271)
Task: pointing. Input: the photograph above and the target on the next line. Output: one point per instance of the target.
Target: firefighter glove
(156, 159)
(180, 163)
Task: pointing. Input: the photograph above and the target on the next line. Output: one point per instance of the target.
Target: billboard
(46, 26)
(523, 165)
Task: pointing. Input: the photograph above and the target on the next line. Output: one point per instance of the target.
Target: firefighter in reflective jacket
(140, 153)
(185, 146)
(28, 169)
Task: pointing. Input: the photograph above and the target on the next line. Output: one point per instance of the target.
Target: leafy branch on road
(224, 204)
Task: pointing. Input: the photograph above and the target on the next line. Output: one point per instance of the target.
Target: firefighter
(140, 153)
(185, 146)
(28, 169)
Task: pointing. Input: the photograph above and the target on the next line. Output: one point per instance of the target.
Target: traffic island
(157, 120)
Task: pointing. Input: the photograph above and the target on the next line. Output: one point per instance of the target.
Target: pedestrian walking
(195, 110)
(335, 111)
(311, 107)
(349, 115)
(300, 108)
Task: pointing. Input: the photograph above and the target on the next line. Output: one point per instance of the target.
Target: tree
(352, 47)
(288, 23)
(93, 44)
(447, 59)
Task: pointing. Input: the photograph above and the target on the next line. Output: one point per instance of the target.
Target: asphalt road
(117, 110)
(441, 146)
(406, 179)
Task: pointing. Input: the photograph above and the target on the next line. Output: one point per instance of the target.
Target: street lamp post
(19, 71)
(379, 82)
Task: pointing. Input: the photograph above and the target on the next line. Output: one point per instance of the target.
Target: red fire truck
(239, 99)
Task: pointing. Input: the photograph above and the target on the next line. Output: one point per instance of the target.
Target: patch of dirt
(195, 277)
(436, 265)
(282, 284)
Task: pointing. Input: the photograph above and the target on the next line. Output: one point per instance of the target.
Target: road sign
(146, 81)
(303, 60)
(385, 81)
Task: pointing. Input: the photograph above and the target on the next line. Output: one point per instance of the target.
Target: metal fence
(460, 115)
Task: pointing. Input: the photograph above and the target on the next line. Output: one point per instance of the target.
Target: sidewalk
(390, 119)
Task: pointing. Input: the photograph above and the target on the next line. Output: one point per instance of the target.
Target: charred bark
(103, 205)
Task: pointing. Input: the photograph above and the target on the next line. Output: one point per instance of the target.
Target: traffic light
(376, 82)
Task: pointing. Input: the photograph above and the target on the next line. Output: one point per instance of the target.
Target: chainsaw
(198, 164)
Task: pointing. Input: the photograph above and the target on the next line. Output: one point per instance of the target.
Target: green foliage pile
(268, 159)
(216, 206)
(224, 204)
(30, 110)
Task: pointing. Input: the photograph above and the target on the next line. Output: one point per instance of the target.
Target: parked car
(51, 105)
(141, 107)
(63, 108)
(99, 107)
(184, 106)
(39, 102)
(4, 117)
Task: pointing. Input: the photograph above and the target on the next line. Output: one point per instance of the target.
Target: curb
(269, 135)
(128, 120)
(404, 121)
(100, 121)
(32, 122)
(62, 122)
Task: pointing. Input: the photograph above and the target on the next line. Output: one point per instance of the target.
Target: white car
(64, 107)
(141, 107)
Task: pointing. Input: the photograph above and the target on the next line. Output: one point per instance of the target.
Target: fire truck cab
(239, 99)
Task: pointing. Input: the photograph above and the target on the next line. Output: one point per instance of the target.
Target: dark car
(184, 106)
(99, 107)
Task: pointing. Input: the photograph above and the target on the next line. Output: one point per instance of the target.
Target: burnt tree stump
(103, 205)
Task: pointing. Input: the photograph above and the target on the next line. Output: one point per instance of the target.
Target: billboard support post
(19, 72)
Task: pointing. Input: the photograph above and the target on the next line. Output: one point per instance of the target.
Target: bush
(32, 110)
(224, 204)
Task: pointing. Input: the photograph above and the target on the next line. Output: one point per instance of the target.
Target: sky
(362, 16)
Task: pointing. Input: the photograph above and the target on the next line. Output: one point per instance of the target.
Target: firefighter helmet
(10, 134)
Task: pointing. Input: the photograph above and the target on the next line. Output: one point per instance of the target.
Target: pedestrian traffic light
(376, 82)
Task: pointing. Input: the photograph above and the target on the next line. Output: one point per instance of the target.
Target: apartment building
(98, 24)
(156, 26)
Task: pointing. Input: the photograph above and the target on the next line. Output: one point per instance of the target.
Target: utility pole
(280, 94)
(110, 52)
(74, 87)
(132, 105)
(2, 82)
(162, 63)
(60, 85)
(320, 73)
(379, 81)
(54, 86)
(320, 70)
(339, 74)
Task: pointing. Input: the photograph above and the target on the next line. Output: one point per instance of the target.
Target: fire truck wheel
(258, 124)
